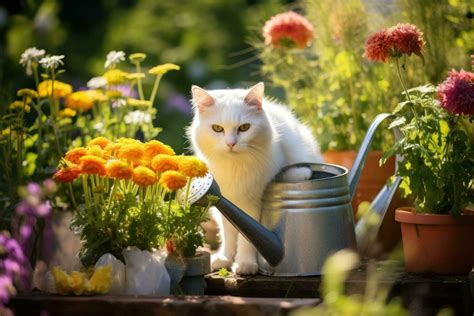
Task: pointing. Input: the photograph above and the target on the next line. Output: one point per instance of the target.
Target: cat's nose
(231, 145)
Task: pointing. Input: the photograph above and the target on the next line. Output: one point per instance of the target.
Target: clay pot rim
(407, 215)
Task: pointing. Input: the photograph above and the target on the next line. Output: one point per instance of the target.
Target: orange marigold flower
(68, 173)
(126, 140)
(407, 39)
(132, 152)
(83, 100)
(93, 165)
(155, 147)
(119, 169)
(191, 166)
(162, 163)
(143, 176)
(61, 89)
(74, 155)
(289, 26)
(173, 180)
(99, 141)
(379, 46)
(67, 112)
(96, 150)
(112, 149)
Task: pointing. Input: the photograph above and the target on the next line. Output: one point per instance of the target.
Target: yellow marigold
(20, 105)
(172, 180)
(74, 155)
(100, 141)
(119, 169)
(115, 76)
(155, 147)
(97, 151)
(100, 281)
(61, 89)
(112, 149)
(133, 152)
(62, 281)
(78, 282)
(192, 166)
(138, 103)
(162, 163)
(67, 112)
(93, 165)
(113, 94)
(83, 100)
(135, 76)
(143, 176)
(162, 69)
(137, 57)
(126, 140)
(27, 92)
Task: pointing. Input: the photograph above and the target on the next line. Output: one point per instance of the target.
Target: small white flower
(99, 127)
(119, 103)
(137, 117)
(29, 56)
(113, 58)
(97, 82)
(52, 62)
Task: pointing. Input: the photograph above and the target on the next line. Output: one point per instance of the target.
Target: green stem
(112, 195)
(35, 72)
(71, 192)
(155, 89)
(188, 187)
(139, 83)
(86, 191)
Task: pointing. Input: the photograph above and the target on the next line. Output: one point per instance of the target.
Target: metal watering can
(302, 223)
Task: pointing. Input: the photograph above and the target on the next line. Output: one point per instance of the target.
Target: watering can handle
(356, 171)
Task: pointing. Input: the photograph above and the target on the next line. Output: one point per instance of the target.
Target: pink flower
(379, 46)
(290, 26)
(456, 93)
(407, 39)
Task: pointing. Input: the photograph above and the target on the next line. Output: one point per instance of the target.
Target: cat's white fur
(275, 139)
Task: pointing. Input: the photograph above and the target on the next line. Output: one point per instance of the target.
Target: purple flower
(179, 102)
(456, 93)
(34, 189)
(49, 186)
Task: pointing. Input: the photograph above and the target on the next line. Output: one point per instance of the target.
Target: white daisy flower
(52, 62)
(29, 56)
(137, 117)
(113, 58)
(97, 82)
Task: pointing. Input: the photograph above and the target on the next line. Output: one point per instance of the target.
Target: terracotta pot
(437, 243)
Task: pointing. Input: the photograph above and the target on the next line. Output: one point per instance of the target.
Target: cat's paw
(245, 267)
(219, 261)
(297, 174)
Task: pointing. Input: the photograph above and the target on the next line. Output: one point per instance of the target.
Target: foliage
(438, 156)
(334, 89)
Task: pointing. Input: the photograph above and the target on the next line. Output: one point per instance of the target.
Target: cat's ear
(201, 98)
(255, 95)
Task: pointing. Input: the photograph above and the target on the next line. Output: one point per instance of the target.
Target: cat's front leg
(228, 234)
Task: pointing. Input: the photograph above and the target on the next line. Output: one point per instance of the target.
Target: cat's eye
(217, 128)
(244, 127)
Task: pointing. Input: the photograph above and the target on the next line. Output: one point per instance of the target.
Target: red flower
(67, 174)
(170, 246)
(456, 93)
(288, 25)
(379, 46)
(407, 39)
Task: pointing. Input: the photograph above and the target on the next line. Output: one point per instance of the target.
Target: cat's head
(230, 122)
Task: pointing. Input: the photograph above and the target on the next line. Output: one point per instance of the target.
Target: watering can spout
(356, 171)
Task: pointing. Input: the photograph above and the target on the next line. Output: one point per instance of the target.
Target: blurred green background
(208, 39)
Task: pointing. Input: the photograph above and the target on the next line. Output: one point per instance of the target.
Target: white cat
(246, 140)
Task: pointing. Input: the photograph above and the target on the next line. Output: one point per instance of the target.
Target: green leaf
(397, 122)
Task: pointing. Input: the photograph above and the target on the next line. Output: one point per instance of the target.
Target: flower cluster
(97, 281)
(288, 26)
(402, 39)
(456, 93)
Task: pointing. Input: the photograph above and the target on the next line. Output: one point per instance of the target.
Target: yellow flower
(83, 100)
(96, 150)
(162, 163)
(20, 105)
(115, 76)
(100, 281)
(192, 166)
(137, 57)
(74, 155)
(162, 69)
(113, 94)
(67, 112)
(78, 282)
(135, 76)
(155, 147)
(61, 89)
(126, 140)
(27, 92)
(119, 169)
(112, 149)
(143, 176)
(138, 103)
(172, 180)
(100, 141)
(62, 281)
(93, 165)
(132, 152)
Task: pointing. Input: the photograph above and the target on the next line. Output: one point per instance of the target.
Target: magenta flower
(456, 93)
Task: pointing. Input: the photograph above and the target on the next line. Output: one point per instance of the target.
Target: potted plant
(438, 160)
(132, 208)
